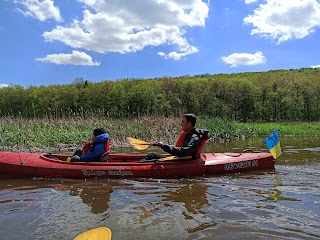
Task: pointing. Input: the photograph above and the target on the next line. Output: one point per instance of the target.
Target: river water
(284, 204)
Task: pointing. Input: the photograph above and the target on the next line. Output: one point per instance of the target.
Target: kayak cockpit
(122, 158)
(113, 158)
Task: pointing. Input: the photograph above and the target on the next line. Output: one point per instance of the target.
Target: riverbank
(33, 135)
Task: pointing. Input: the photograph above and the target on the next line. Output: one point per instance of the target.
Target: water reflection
(192, 194)
(276, 196)
(93, 194)
(97, 196)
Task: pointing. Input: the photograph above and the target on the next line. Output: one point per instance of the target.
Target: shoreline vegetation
(231, 106)
(273, 96)
(60, 134)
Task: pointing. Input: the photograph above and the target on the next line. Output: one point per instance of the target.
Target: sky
(50, 42)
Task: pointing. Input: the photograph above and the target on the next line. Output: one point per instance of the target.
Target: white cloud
(250, 1)
(41, 10)
(315, 66)
(184, 47)
(3, 85)
(237, 59)
(282, 20)
(129, 26)
(75, 58)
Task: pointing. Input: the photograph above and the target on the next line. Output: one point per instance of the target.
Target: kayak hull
(21, 165)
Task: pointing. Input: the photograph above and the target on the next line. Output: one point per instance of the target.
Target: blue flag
(273, 144)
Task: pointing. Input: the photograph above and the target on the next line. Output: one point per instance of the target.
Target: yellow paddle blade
(137, 141)
(101, 233)
(141, 147)
(138, 144)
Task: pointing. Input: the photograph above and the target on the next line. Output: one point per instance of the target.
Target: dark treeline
(281, 95)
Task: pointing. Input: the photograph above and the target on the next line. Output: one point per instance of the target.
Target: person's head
(188, 122)
(98, 131)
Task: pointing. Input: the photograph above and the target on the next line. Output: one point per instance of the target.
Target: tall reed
(59, 133)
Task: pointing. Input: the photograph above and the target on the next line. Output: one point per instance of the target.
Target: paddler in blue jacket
(93, 150)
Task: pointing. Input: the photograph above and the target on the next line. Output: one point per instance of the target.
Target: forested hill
(281, 95)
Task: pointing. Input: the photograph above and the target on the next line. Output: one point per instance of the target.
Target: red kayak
(21, 164)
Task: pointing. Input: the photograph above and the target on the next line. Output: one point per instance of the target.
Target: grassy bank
(43, 134)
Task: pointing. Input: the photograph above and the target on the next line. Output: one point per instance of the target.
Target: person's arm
(190, 146)
(90, 156)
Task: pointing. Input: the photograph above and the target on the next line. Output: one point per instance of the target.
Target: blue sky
(46, 42)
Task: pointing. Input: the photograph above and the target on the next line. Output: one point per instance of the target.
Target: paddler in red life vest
(94, 150)
(190, 143)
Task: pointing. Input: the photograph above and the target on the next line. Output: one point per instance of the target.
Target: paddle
(101, 233)
(138, 144)
(174, 158)
(142, 145)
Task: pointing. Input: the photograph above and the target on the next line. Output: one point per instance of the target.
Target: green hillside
(281, 95)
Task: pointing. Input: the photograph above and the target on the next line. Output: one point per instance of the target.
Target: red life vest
(183, 135)
(181, 138)
(204, 139)
(107, 146)
(86, 147)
